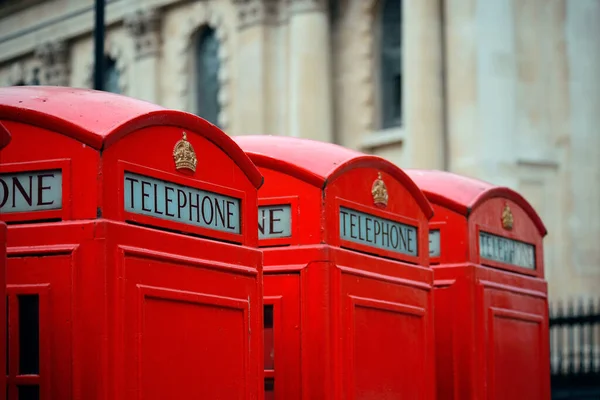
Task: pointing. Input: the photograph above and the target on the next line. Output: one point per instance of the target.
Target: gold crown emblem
(184, 155)
(379, 191)
(507, 217)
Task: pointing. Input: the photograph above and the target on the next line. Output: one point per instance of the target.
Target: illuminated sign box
(177, 203)
(30, 191)
(505, 250)
(370, 230)
(275, 221)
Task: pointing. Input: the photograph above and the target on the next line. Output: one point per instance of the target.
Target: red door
(512, 317)
(384, 326)
(186, 322)
(282, 336)
(39, 323)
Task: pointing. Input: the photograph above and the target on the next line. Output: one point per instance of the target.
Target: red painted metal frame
(185, 181)
(444, 229)
(491, 318)
(296, 222)
(5, 138)
(100, 119)
(331, 353)
(128, 305)
(371, 250)
(65, 212)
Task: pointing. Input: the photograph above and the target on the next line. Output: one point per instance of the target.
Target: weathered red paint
(131, 305)
(5, 138)
(491, 317)
(349, 320)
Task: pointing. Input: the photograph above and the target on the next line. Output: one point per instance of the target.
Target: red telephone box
(4, 141)
(132, 269)
(491, 304)
(347, 289)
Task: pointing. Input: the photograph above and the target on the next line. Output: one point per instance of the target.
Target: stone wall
(507, 90)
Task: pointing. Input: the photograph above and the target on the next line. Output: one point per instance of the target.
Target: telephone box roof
(99, 119)
(4, 136)
(319, 163)
(463, 194)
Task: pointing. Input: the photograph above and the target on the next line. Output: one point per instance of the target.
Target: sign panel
(275, 221)
(508, 251)
(183, 204)
(31, 191)
(434, 243)
(381, 233)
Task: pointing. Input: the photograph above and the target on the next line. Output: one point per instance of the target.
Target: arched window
(111, 75)
(207, 74)
(391, 63)
(35, 80)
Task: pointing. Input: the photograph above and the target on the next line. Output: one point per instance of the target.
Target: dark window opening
(111, 75)
(207, 75)
(29, 392)
(29, 334)
(268, 335)
(391, 63)
(36, 77)
(269, 389)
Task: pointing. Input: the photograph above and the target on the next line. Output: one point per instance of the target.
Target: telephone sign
(274, 221)
(30, 191)
(187, 205)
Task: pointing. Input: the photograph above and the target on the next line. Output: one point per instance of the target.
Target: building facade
(503, 90)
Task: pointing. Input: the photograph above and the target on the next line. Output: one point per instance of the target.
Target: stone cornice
(257, 12)
(54, 59)
(144, 26)
(72, 23)
(52, 53)
(302, 6)
(114, 50)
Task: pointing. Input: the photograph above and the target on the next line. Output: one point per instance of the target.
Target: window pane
(268, 335)
(111, 75)
(269, 389)
(391, 63)
(207, 75)
(29, 392)
(36, 77)
(29, 334)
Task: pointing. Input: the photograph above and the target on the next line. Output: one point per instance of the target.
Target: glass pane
(29, 392)
(269, 389)
(268, 334)
(111, 76)
(391, 63)
(29, 334)
(36, 77)
(207, 75)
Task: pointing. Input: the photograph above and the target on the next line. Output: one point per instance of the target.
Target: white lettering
(275, 221)
(434, 243)
(378, 232)
(508, 251)
(173, 202)
(31, 191)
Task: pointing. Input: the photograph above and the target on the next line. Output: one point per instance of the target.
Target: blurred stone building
(504, 90)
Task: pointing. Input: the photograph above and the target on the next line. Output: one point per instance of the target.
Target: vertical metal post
(99, 46)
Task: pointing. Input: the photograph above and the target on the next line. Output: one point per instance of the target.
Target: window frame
(195, 58)
(380, 118)
(110, 61)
